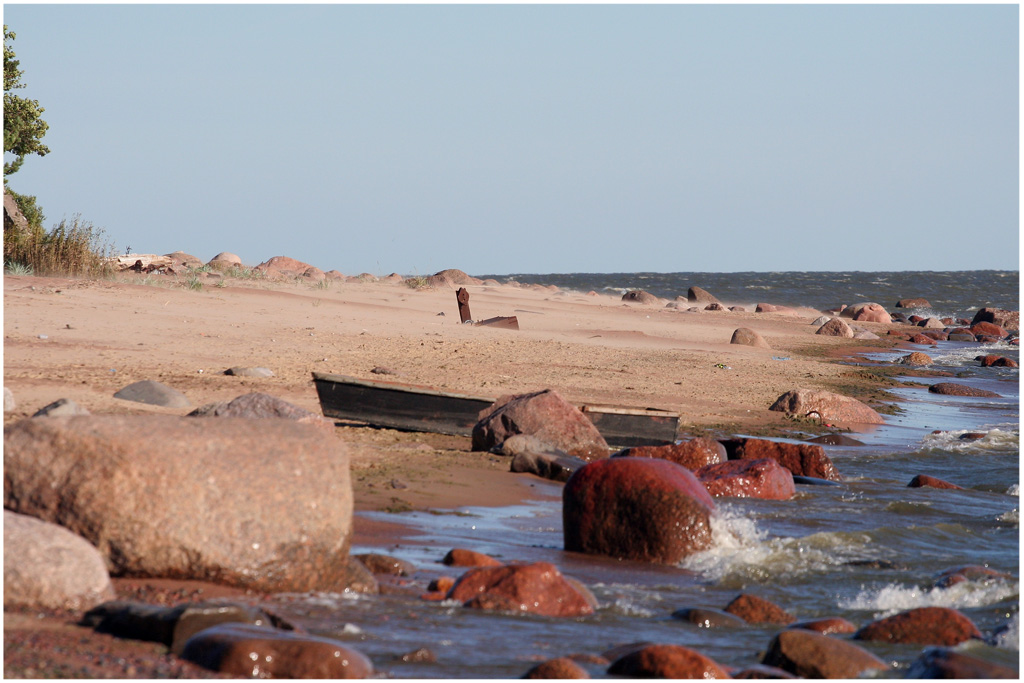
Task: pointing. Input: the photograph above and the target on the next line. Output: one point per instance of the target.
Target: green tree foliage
(23, 125)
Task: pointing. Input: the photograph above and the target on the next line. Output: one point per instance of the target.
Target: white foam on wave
(966, 356)
(742, 550)
(1014, 490)
(892, 598)
(995, 441)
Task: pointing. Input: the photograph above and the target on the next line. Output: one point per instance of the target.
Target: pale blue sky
(533, 138)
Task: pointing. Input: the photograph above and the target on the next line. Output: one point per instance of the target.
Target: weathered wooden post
(462, 296)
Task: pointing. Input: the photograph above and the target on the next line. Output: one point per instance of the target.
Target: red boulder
(538, 588)
(922, 480)
(805, 460)
(692, 454)
(922, 626)
(636, 508)
(755, 610)
(764, 478)
(666, 661)
(988, 329)
(812, 655)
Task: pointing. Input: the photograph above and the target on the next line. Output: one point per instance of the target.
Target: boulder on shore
(260, 504)
(544, 414)
(47, 566)
(697, 295)
(867, 313)
(827, 406)
(748, 337)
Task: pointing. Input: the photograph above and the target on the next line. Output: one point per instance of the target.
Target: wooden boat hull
(422, 409)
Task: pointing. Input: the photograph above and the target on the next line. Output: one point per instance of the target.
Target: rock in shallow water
(261, 652)
(538, 588)
(636, 508)
(812, 655)
(667, 661)
(923, 626)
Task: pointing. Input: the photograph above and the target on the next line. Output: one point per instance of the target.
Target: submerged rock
(954, 389)
(708, 618)
(755, 610)
(826, 626)
(923, 480)
(923, 626)
(812, 655)
(667, 661)
(559, 668)
(460, 557)
(262, 652)
(942, 662)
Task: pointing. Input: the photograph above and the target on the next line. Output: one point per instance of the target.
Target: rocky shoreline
(178, 501)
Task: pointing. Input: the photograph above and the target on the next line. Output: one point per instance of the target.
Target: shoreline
(90, 338)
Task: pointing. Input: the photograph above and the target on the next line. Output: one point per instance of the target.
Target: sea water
(867, 548)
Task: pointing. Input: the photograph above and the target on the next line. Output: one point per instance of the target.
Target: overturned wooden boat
(424, 409)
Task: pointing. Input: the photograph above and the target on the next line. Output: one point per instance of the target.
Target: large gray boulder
(261, 504)
(47, 566)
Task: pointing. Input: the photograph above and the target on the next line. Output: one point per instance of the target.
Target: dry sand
(85, 340)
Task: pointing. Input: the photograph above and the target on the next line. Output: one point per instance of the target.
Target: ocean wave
(742, 551)
(893, 598)
(1014, 490)
(965, 356)
(995, 441)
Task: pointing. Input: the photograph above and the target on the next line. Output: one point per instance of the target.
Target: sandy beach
(85, 340)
